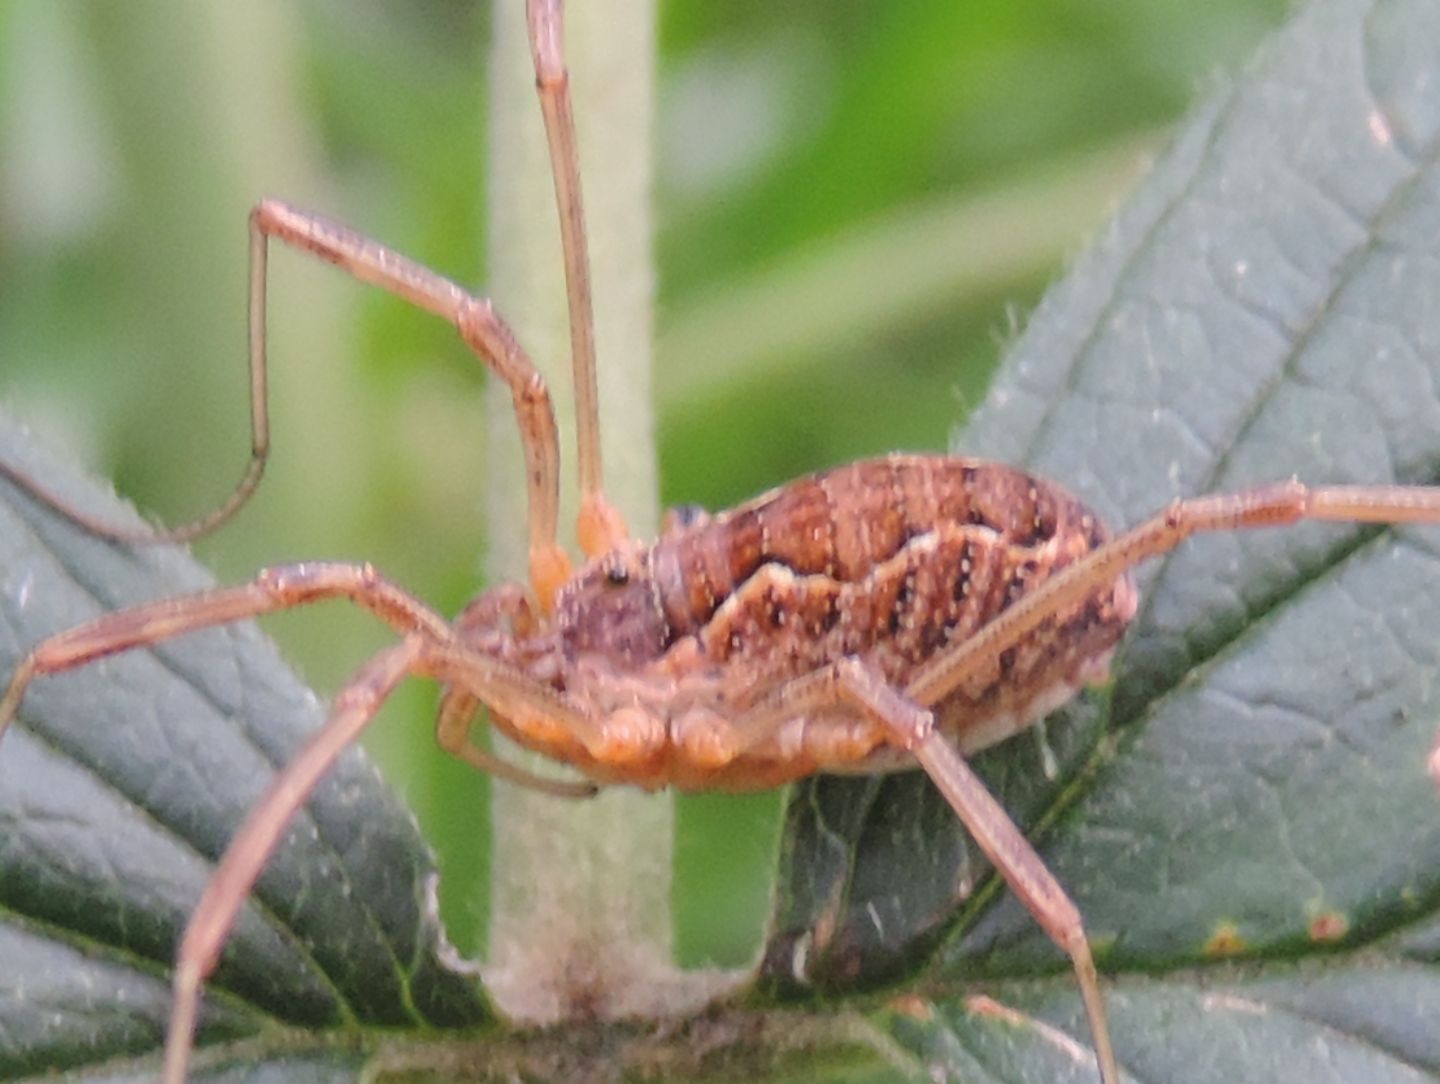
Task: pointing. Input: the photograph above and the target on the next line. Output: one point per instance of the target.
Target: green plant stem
(580, 917)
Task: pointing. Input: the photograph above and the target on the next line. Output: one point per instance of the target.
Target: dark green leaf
(1368, 1019)
(119, 786)
(1267, 305)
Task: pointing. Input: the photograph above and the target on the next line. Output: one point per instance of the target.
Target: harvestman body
(895, 612)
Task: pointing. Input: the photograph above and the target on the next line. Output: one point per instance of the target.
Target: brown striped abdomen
(893, 560)
(845, 523)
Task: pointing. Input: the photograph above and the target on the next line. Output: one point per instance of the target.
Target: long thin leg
(210, 924)
(600, 526)
(473, 676)
(280, 588)
(855, 684)
(259, 438)
(480, 328)
(1025, 872)
(1267, 506)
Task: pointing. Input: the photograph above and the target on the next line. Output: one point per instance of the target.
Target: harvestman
(892, 613)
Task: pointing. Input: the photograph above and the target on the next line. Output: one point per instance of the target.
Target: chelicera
(897, 612)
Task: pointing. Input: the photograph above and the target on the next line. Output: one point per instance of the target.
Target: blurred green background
(854, 200)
